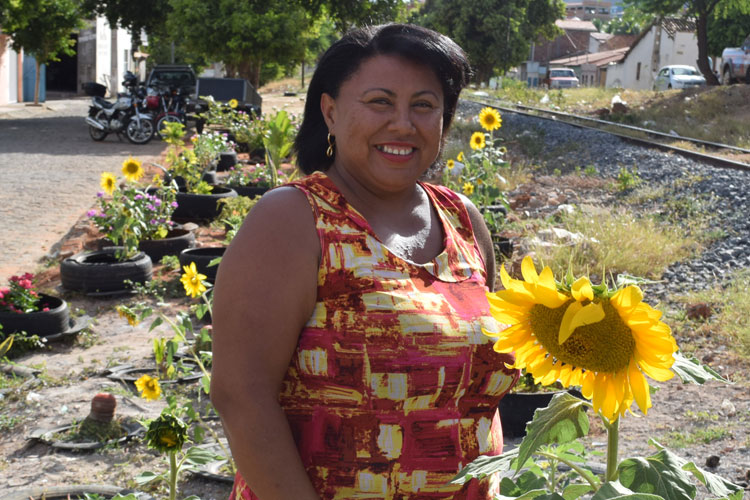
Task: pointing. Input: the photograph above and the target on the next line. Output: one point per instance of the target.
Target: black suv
(173, 76)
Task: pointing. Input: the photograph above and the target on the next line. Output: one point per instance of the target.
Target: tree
(137, 16)
(346, 14)
(42, 28)
(701, 10)
(727, 27)
(496, 34)
(242, 35)
(632, 22)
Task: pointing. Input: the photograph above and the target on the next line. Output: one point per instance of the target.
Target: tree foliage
(42, 28)
(496, 34)
(701, 11)
(135, 16)
(346, 14)
(727, 27)
(632, 22)
(242, 35)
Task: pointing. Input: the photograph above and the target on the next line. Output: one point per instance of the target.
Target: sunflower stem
(613, 441)
(172, 475)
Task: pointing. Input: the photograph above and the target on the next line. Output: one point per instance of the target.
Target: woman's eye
(380, 100)
(424, 104)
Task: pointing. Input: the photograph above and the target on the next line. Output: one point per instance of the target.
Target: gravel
(720, 191)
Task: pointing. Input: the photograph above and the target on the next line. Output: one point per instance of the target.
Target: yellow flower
(460, 156)
(233, 103)
(192, 280)
(503, 149)
(132, 170)
(489, 119)
(468, 188)
(108, 183)
(602, 341)
(477, 140)
(148, 387)
(129, 315)
(156, 181)
(450, 164)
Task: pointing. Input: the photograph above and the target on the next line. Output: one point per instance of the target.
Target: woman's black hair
(344, 57)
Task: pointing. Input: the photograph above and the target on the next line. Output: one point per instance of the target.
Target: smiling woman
(349, 358)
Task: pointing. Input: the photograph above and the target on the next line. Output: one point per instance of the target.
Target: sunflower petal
(570, 313)
(582, 290)
(528, 271)
(639, 386)
(655, 372)
(627, 298)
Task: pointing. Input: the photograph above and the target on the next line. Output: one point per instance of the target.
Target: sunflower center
(606, 346)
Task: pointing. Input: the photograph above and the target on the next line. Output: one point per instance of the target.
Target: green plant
(278, 141)
(681, 439)
(590, 170)
(572, 332)
(20, 296)
(479, 175)
(627, 179)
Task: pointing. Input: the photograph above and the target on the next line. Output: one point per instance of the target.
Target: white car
(678, 76)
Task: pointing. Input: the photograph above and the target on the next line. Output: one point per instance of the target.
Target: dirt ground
(72, 371)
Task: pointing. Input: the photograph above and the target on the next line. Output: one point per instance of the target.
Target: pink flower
(45, 309)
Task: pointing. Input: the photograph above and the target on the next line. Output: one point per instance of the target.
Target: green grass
(682, 439)
(617, 241)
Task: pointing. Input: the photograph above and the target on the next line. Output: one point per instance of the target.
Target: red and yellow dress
(393, 387)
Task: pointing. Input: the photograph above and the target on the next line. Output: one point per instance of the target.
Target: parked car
(172, 76)
(561, 78)
(678, 76)
(736, 63)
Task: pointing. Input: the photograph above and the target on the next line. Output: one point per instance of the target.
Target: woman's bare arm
(484, 240)
(265, 293)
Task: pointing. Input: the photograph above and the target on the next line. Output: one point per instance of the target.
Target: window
(638, 72)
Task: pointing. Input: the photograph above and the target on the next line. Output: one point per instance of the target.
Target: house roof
(575, 25)
(597, 58)
(601, 37)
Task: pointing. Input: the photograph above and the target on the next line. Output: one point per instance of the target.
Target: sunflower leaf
(562, 421)
(574, 491)
(690, 370)
(661, 473)
(716, 484)
(485, 465)
(614, 490)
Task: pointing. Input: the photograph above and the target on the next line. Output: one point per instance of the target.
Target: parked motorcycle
(126, 116)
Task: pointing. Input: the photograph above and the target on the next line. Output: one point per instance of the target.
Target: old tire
(176, 241)
(202, 257)
(42, 323)
(100, 273)
(249, 191)
(73, 491)
(726, 77)
(200, 207)
(227, 160)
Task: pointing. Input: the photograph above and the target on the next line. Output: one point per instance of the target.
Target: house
(592, 68)
(575, 40)
(102, 55)
(666, 41)
(589, 10)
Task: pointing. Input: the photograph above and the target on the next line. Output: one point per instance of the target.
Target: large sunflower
(580, 335)
(132, 169)
(489, 119)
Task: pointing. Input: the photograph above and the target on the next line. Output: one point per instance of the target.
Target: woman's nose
(402, 119)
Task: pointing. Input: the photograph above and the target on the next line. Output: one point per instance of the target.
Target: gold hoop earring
(329, 151)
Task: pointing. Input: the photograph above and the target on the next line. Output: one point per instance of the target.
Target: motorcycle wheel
(142, 134)
(164, 119)
(95, 133)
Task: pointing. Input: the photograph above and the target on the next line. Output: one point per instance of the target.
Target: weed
(7, 422)
(627, 179)
(617, 241)
(590, 171)
(682, 439)
(701, 416)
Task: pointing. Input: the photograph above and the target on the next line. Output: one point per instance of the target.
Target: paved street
(49, 176)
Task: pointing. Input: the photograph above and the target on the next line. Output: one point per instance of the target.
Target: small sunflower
(108, 183)
(148, 387)
(128, 314)
(192, 280)
(460, 156)
(156, 181)
(233, 103)
(450, 164)
(477, 140)
(166, 433)
(582, 335)
(132, 170)
(489, 119)
(468, 188)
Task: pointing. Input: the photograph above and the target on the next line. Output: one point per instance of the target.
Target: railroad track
(638, 135)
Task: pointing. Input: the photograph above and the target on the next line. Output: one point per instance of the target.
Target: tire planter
(100, 273)
(48, 436)
(72, 491)
(42, 323)
(128, 376)
(227, 160)
(202, 257)
(249, 191)
(517, 409)
(176, 241)
(200, 207)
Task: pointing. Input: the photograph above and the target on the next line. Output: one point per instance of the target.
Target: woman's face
(387, 121)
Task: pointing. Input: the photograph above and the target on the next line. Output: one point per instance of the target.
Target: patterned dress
(393, 387)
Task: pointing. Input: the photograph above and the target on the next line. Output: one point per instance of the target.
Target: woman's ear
(328, 109)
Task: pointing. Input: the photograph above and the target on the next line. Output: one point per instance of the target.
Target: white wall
(104, 53)
(683, 49)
